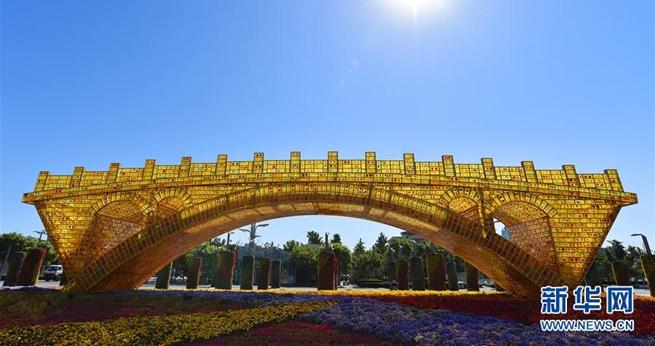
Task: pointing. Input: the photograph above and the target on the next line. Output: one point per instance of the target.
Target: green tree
(314, 238)
(402, 246)
(423, 247)
(369, 264)
(633, 257)
(21, 243)
(616, 251)
(303, 256)
(181, 266)
(380, 245)
(359, 248)
(290, 245)
(600, 271)
(303, 261)
(209, 253)
(344, 256)
(336, 239)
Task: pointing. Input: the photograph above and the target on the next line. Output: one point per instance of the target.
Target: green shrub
(276, 272)
(224, 273)
(193, 279)
(402, 273)
(327, 269)
(15, 263)
(163, 277)
(436, 266)
(472, 277)
(247, 272)
(29, 271)
(264, 271)
(418, 274)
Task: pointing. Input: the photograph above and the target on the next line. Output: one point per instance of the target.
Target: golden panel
(129, 174)
(112, 229)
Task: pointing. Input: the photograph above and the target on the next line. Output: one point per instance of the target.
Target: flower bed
(38, 306)
(296, 332)
(397, 317)
(154, 330)
(407, 324)
(508, 307)
(403, 323)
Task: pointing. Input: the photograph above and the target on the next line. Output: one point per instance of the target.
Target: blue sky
(89, 83)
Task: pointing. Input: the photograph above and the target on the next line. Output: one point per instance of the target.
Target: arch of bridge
(129, 264)
(579, 208)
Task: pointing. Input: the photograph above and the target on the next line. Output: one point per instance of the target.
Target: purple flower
(407, 324)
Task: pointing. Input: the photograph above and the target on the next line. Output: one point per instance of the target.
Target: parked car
(178, 280)
(53, 272)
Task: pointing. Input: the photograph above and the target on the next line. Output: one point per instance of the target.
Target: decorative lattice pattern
(114, 228)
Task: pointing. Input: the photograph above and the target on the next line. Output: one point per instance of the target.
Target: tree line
(362, 263)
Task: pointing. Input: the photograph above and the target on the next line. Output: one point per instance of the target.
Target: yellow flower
(155, 330)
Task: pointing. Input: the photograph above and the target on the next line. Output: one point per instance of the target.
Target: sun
(415, 7)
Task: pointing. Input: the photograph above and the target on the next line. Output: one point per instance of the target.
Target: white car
(53, 272)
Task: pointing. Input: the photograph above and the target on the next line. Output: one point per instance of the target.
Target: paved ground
(54, 284)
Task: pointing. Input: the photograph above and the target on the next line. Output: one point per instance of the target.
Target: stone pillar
(648, 264)
(264, 270)
(31, 268)
(193, 279)
(247, 272)
(64, 279)
(402, 273)
(15, 263)
(436, 272)
(326, 270)
(224, 271)
(472, 277)
(418, 274)
(276, 273)
(452, 276)
(164, 277)
(621, 273)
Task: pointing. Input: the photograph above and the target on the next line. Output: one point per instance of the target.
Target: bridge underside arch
(129, 264)
(529, 228)
(113, 223)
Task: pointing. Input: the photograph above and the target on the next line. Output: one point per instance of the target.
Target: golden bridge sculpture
(114, 229)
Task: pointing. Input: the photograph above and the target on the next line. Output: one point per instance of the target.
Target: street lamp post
(645, 240)
(40, 233)
(648, 264)
(252, 233)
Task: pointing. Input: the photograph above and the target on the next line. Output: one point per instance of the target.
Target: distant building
(410, 235)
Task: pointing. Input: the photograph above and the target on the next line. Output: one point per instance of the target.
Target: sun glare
(416, 8)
